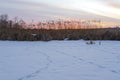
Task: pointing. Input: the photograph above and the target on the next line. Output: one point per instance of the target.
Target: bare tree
(4, 20)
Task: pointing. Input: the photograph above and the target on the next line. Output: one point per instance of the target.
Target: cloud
(115, 3)
(38, 10)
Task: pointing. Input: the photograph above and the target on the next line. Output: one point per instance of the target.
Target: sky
(105, 10)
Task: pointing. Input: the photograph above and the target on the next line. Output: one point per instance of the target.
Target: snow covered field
(59, 60)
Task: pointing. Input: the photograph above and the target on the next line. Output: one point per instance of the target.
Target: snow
(59, 60)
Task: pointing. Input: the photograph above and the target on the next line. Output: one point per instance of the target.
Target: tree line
(15, 30)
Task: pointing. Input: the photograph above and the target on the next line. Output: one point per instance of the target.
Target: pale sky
(106, 10)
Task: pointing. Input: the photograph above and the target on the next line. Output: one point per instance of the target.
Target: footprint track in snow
(90, 62)
(35, 73)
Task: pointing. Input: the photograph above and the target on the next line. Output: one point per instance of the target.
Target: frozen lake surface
(59, 60)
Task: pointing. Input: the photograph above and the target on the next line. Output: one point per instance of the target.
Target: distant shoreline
(16, 34)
